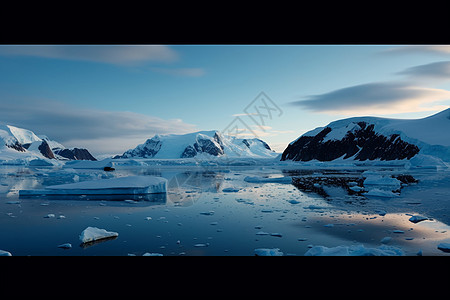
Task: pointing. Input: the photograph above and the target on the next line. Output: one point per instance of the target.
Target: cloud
(375, 98)
(420, 49)
(184, 72)
(100, 131)
(434, 71)
(111, 54)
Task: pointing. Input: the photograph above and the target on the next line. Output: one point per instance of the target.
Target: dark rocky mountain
(75, 154)
(372, 138)
(363, 143)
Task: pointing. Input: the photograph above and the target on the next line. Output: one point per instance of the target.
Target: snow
(354, 250)
(23, 136)
(91, 234)
(172, 146)
(121, 185)
(268, 252)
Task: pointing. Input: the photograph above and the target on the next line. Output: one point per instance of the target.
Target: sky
(110, 98)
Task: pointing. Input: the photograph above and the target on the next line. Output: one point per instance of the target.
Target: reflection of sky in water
(197, 217)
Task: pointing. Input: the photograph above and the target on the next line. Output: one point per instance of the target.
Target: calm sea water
(197, 217)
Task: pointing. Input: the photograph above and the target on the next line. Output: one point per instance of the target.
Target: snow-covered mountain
(204, 144)
(18, 144)
(371, 138)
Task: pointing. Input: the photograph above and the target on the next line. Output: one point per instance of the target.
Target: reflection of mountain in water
(186, 187)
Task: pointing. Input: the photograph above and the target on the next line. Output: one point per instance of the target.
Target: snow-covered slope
(22, 146)
(204, 144)
(371, 138)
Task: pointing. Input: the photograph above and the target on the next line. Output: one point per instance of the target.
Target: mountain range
(204, 144)
(350, 139)
(19, 143)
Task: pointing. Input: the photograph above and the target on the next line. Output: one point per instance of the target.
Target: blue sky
(109, 98)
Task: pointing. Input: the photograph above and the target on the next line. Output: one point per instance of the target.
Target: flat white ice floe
(91, 234)
(131, 185)
(355, 250)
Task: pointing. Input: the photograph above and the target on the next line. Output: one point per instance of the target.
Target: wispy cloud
(418, 49)
(100, 131)
(184, 72)
(434, 71)
(111, 54)
(375, 98)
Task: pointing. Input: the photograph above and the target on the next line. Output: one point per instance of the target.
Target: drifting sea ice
(356, 250)
(91, 234)
(268, 252)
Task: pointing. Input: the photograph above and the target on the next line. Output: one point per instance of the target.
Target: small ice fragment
(91, 234)
(417, 219)
(61, 217)
(386, 240)
(258, 226)
(201, 245)
(398, 231)
(50, 216)
(5, 253)
(276, 234)
(65, 246)
(302, 239)
(13, 202)
(328, 225)
(148, 218)
(268, 252)
(152, 254)
(262, 233)
(381, 212)
(207, 213)
(293, 201)
(266, 210)
(213, 223)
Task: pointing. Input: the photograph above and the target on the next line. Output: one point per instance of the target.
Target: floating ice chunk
(268, 252)
(152, 254)
(386, 240)
(201, 245)
(417, 219)
(130, 185)
(444, 247)
(355, 250)
(5, 253)
(398, 231)
(276, 234)
(50, 216)
(293, 201)
(393, 183)
(91, 234)
(65, 246)
(262, 233)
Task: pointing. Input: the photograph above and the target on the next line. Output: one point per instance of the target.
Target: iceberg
(92, 234)
(131, 185)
